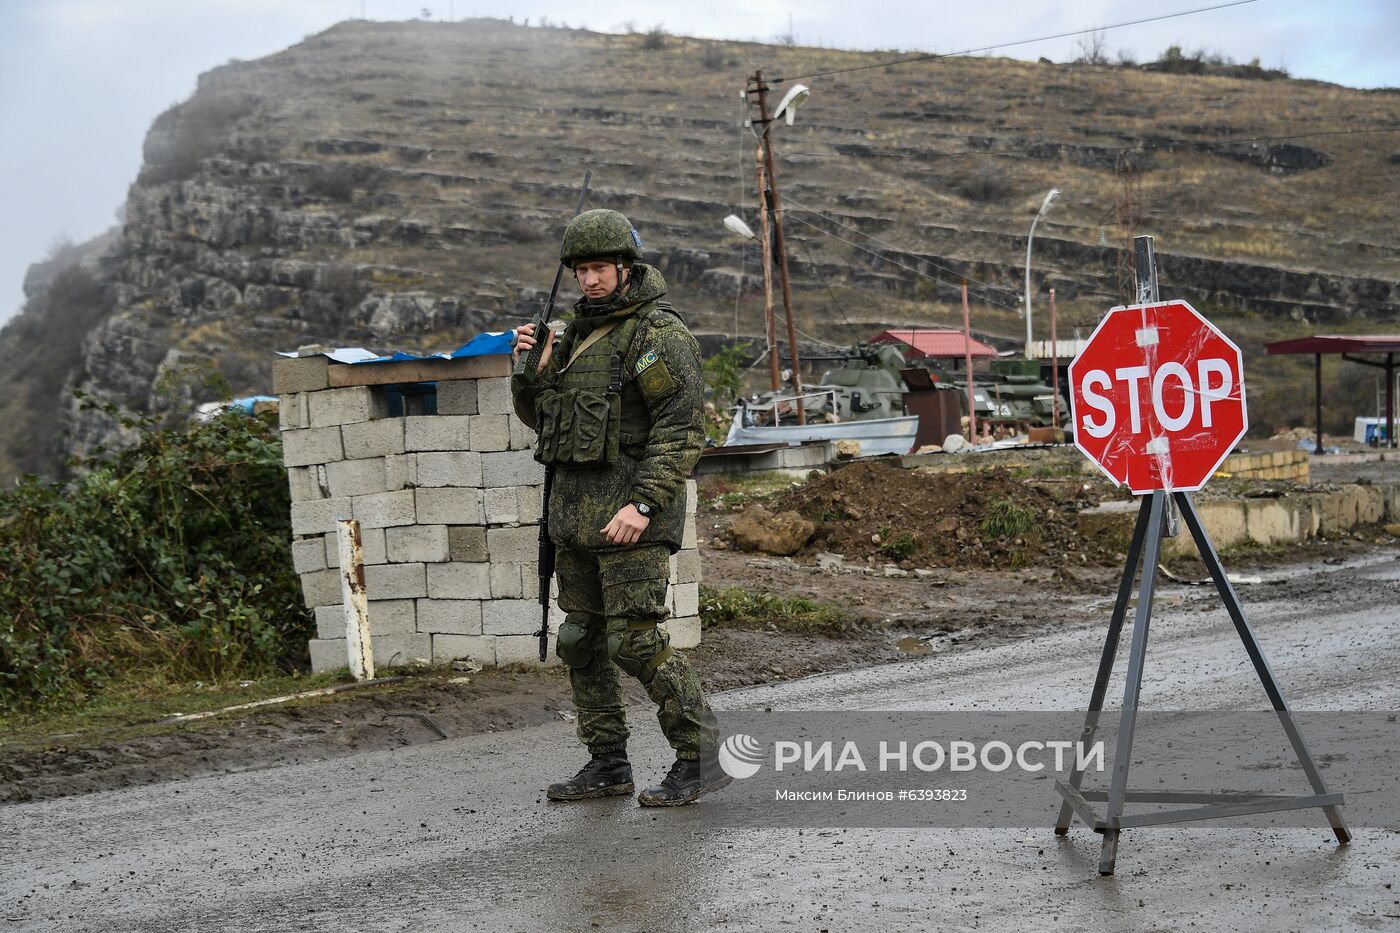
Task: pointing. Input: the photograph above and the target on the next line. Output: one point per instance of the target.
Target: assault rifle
(528, 366)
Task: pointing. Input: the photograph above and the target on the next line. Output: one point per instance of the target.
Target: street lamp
(1045, 206)
(795, 97)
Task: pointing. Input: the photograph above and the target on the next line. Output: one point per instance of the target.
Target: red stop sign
(1157, 397)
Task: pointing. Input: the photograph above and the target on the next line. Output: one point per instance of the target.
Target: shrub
(172, 557)
(655, 39)
(985, 184)
(196, 130)
(1006, 519)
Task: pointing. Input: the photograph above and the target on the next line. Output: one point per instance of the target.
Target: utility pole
(765, 247)
(775, 204)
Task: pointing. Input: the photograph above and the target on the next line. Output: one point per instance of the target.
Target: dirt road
(455, 835)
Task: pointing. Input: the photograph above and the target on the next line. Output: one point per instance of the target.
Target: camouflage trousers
(612, 602)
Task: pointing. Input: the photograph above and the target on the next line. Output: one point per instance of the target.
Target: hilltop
(402, 185)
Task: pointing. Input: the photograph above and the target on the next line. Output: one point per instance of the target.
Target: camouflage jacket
(662, 420)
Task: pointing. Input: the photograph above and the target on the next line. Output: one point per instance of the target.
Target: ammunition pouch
(578, 427)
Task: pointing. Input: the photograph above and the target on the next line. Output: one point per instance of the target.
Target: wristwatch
(642, 508)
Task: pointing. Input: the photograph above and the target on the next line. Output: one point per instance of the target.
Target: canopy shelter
(1348, 347)
(934, 344)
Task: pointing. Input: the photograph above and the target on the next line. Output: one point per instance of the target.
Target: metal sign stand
(1153, 521)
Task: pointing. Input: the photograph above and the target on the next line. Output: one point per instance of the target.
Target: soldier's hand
(525, 341)
(626, 526)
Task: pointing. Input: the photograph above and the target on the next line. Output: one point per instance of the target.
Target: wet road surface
(457, 835)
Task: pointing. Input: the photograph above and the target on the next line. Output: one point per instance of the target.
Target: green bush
(171, 558)
(1006, 519)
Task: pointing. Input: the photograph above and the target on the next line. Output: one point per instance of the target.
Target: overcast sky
(81, 80)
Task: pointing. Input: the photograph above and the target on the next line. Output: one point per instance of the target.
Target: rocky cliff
(403, 186)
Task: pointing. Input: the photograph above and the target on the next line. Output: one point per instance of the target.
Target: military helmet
(600, 234)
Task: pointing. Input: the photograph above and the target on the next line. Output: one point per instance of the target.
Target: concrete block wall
(449, 507)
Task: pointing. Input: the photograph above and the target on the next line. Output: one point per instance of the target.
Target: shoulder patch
(645, 360)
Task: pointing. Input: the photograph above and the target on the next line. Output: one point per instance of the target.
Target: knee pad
(572, 644)
(639, 651)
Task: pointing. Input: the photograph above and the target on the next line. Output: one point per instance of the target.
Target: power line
(895, 262)
(1007, 45)
(891, 246)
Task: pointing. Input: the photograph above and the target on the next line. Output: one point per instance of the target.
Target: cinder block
(373, 438)
(311, 445)
(505, 581)
(493, 396)
(357, 477)
(692, 496)
(459, 581)
(318, 516)
(386, 509)
(687, 599)
(512, 544)
(1370, 505)
(685, 632)
(392, 616)
(320, 588)
(303, 485)
(491, 432)
(449, 468)
(457, 397)
(396, 581)
(328, 654)
(510, 617)
(302, 374)
(308, 555)
(525, 651)
(501, 504)
(522, 437)
(402, 649)
(685, 567)
(531, 502)
(400, 471)
(293, 412)
(437, 432)
(448, 506)
(511, 468)
(331, 407)
(689, 539)
(372, 549)
(449, 616)
(420, 543)
(479, 648)
(1270, 521)
(466, 543)
(330, 621)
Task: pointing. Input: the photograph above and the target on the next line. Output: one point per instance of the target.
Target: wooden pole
(780, 244)
(767, 246)
(1390, 400)
(1054, 369)
(1317, 396)
(967, 365)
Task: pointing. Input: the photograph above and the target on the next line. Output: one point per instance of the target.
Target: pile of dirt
(879, 511)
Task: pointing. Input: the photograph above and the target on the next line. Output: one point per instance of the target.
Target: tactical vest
(579, 418)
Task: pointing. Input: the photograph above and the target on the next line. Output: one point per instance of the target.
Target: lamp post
(787, 107)
(1044, 206)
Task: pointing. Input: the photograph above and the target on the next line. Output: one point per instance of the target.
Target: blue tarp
(487, 344)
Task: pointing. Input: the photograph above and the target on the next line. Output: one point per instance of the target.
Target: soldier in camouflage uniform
(617, 404)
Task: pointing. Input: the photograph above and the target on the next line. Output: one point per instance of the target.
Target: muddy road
(456, 835)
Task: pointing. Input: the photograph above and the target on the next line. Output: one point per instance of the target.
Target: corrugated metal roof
(939, 344)
(1337, 343)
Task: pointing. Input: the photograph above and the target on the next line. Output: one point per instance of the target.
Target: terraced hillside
(403, 186)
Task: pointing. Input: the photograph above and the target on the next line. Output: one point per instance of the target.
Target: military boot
(687, 781)
(605, 775)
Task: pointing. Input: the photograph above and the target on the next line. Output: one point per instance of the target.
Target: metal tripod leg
(1122, 756)
(1110, 650)
(1256, 656)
